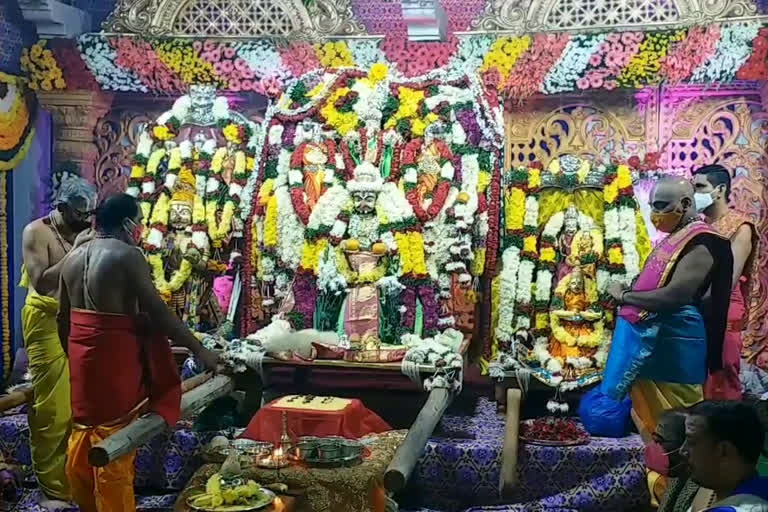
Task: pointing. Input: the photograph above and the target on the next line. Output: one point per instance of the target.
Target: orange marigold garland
(17, 116)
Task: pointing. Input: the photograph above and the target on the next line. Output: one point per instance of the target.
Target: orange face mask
(666, 222)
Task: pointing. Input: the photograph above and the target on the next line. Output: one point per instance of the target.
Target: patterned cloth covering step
(167, 462)
(461, 469)
(30, 499)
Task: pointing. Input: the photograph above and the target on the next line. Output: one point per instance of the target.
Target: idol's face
(180, 215)
(364, 202)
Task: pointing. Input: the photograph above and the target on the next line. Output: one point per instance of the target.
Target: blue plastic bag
(603, 416)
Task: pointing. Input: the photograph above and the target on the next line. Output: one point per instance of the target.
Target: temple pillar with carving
(75, 115)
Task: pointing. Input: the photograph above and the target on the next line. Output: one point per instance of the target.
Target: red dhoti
(725, 384)
(116, 369)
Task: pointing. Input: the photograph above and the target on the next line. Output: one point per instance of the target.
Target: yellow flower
(548, 254)
(137, 172)
(534, 178)
(316, 90)
(611, 191)
(270, 223)
(378, 72)
(432, 117)
(624, 177)
(478, 264)
(162, 133)
(529, 244)
(416, 246)
(232, 133)
(514, 209)
(340, 46)
(418, 126)
(615, 257)
(542, 320)
(483, 180)
(554, 166)
(46, 85)
(37, 50)
(59, 83)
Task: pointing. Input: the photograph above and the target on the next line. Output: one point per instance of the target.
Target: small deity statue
(363, 252)
(576, 320)
(565, 240)
(182, 244)
(314, 162)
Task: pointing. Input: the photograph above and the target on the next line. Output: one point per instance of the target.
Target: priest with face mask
(667, 337)
(712, 185)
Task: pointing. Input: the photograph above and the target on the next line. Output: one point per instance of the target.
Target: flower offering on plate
(551, 431)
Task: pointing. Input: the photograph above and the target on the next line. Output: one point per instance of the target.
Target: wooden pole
(142, 429)
(511, 440)
(193, 382)
(408, 453)
(21, 395)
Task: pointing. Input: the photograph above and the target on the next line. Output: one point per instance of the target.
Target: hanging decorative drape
(5, 284)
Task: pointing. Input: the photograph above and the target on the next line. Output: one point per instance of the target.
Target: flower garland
(755, 67)
(166, 288)
(17, 113)
(334, 55)
(218, 231)
(40, 65)
(689, 54)
(503, 56)
(534, 66)
(354, 278)
(644, 66)
(442, 188)
(732, 52)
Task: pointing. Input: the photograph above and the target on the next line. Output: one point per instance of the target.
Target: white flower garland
(290, 230)
(572, 63)
(505, 330)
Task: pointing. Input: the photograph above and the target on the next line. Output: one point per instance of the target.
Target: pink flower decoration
(227, 66)
(610, 84)
(209, 45)
(229, 52)
(272, 86)
(613, 37)
(595, 60)
(240, 64)
(596, 81)
(627, 38)
(247, 73)
(582, 83)
(610, 60)
(235, 85)
(247, 85)
(197, 46)
(218, 67)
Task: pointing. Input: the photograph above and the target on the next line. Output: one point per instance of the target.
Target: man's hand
(84, 237)
(616, 290)
(209, 358)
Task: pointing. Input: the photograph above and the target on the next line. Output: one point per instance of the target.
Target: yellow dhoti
(50, 415)
(107, 489)
(650, 399)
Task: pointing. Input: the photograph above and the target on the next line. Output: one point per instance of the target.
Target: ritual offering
(233, 494)
(553, 431)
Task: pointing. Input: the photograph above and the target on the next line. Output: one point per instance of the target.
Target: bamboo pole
(142, 429)
(19, 396)
(511, 440)
(408, 453)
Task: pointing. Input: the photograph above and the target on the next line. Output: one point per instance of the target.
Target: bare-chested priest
(45, 243)
(713, 192)
(116, 329)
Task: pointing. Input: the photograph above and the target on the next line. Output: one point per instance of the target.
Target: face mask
(703, 201)
(666, 222)
(135, 232)
(656, 459)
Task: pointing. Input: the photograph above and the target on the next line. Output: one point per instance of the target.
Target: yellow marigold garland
(167, 287)
(310, 254)
(42, 69)
(504, 54)
(643, 68)
(16, 132)
(334, 54)
(342, 122)
(514, 209)
(410, 99)
(270, 222)
(182, 59)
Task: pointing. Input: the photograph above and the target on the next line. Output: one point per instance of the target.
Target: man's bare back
(43, 247)
(111, 263)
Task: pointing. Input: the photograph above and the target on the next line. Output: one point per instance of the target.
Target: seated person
(723, 441)
(9, 482)
(669, 477)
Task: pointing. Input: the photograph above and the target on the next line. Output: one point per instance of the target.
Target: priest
(115, 328)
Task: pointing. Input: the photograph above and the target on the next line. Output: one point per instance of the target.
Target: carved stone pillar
(75, 115)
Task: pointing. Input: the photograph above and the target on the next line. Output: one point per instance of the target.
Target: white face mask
(703, 201)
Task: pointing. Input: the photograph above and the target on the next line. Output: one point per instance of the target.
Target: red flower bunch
(300, 58)
(414, 58)
(690, 53)
(534, 65)
(76, 73)
(139, 57)
(563, 430)
(755, 68)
